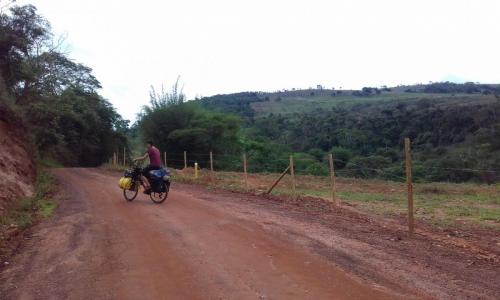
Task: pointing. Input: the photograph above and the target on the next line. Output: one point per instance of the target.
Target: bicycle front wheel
(130, 195)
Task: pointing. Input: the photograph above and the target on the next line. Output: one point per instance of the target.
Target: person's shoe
(147, 191)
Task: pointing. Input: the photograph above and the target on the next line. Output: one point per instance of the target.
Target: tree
(186, 127)
(23, 35)
(164, 99)
(56, 98)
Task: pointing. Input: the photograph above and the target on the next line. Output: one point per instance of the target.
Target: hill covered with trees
(455, 128)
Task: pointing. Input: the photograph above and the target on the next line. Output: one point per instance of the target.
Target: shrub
(318, 169)
(317, 153)
(341, 156)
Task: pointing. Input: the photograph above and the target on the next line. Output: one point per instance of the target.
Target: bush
(302, 161)
(317, 153)
(390, 153)
(317, 169)
(341, 156)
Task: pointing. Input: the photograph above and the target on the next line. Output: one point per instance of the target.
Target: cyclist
(154, 164)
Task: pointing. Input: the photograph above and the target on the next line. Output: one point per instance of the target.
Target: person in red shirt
(154, 164)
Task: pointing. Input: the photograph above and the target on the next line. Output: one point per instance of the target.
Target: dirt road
(200, 245)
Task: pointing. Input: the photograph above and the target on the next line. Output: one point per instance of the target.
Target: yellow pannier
(125, 183)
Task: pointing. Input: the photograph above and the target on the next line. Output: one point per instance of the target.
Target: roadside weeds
(26, 212)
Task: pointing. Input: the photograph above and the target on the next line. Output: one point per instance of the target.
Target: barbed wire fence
(209, 166)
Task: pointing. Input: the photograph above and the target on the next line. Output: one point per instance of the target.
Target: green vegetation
(239, 104)
(303, 104)
(175, 127)
(52, 97)
(23, 214)
(454, 128)
(47, 208)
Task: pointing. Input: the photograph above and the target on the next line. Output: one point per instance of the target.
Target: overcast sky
(224, 46)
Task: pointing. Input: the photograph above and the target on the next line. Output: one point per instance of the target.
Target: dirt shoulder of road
(439, 262)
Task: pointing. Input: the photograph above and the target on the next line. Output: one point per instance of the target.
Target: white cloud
(223, 46)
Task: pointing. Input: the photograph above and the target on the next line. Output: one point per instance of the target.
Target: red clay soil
(203, 244)
(17, 169)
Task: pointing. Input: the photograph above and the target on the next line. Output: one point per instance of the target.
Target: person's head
(150, 144)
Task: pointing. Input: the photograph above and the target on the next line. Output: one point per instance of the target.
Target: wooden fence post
(409, 182)
(165, 158)
(292, 173)
(211, 166)
(185, 160)
(124, 157)
(114, 158)
(332, 178)
(195, 170)
(245, 169)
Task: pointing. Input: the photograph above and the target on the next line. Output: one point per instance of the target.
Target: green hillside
(300, 104)
(455, 128)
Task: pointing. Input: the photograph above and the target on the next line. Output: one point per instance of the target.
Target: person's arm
(142, 157)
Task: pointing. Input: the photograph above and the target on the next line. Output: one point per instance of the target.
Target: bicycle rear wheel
(160, 197)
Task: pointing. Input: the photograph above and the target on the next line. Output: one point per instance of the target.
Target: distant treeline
(455, 88)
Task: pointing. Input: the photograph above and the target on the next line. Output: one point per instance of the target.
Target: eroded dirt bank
(17, 170)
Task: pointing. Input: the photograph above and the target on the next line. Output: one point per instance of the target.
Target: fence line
(121, 159)
(297, 165)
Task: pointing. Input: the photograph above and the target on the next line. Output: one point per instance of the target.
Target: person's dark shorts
(146, 170)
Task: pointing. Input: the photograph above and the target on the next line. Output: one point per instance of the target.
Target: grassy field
(440, 204)
(296, 104)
